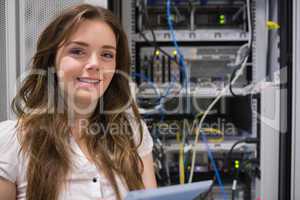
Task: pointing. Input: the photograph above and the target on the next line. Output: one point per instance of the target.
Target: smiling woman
(79, 134)
(86, 63)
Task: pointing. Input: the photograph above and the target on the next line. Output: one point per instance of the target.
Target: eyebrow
(86, 45)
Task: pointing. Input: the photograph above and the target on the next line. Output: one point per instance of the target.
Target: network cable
(249, 45)
(228, 158)
(246, 140)
(163, 98)
(237, 75)
(154, 42)
(183, 69)
(182, 63)
(239, 72)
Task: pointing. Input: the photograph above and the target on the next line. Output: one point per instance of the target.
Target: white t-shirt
(85, 182)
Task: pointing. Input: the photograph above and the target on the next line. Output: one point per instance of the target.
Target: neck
(79, 127)
(80, 108)
(78, 115)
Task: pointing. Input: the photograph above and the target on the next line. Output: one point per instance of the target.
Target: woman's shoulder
(8, 123)
(9, 149)
(8, 135)
(8, 126)
(145, 140)
(134, 120)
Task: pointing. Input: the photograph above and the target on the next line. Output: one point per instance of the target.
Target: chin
(86, 99)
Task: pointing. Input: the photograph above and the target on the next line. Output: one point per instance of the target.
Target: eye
(77, 51)
(108, 55)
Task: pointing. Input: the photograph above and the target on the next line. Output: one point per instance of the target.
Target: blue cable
(182, 63)
(141, 75)
(203, 2)
(144, 77)
(213, 162)
(183, 67)
(173, 78)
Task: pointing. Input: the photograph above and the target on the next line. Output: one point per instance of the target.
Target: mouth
(88, 80)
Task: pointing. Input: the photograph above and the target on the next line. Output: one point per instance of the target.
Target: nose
(93, 63)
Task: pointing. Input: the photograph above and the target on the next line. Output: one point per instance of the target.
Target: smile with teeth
(88, 80)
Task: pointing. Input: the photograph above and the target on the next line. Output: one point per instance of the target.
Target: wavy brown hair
(44, 127)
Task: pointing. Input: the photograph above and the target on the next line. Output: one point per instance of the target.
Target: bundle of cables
(237, 74)
(173, 89)
(246, 164)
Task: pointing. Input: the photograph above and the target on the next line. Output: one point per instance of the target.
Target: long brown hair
(46, 142)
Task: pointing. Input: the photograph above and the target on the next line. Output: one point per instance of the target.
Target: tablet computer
(175, 192)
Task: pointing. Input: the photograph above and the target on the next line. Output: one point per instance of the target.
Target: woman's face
(86, 63)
